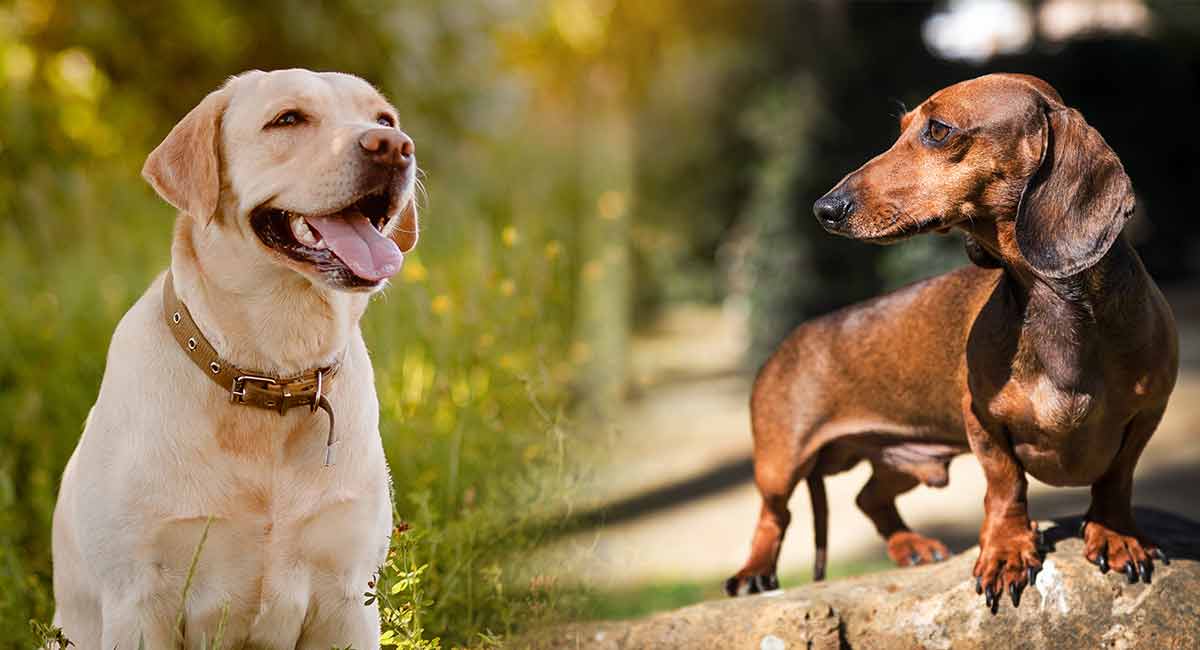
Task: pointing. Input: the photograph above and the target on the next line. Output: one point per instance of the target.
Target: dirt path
(679, 465)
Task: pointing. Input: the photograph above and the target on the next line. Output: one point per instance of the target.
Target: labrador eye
(386, 120)
(288, 118)
(937, 131)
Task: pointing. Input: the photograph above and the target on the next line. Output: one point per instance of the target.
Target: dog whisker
(421, 190)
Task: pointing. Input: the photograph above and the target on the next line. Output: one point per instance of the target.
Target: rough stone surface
(935, 607)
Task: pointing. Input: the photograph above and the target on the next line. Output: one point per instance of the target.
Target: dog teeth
(303, 233)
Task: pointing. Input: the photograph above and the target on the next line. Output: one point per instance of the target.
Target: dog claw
(991, 598)
(756, 585)
(1131, 572)
(753, 584)
(937, 556)
(1144, 570)
(1014, 593)
(1033, 572)
(731, 586)
(978, 585)
(1102, 562)
(914, 559)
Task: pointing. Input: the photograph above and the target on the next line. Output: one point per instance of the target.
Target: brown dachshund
(1055, 358)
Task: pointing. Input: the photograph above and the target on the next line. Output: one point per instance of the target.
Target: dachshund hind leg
(877, 500)
(758, 574)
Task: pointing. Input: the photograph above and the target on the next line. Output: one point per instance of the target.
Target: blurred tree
(610, 59)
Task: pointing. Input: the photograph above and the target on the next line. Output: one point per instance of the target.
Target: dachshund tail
(820, 511)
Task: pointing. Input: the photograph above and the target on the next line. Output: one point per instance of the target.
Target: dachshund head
(999, 148)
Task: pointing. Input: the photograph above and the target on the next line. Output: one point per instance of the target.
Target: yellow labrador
(295, 198)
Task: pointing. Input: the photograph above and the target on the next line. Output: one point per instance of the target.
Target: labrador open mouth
(349, 244)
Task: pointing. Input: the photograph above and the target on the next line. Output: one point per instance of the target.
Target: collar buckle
(237, 391)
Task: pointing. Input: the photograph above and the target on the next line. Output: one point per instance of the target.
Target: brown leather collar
(250, 388)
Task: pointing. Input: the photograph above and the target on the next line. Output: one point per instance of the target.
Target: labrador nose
(833, 209)
(389, 147)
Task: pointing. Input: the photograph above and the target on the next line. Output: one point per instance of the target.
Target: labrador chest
(279, 553)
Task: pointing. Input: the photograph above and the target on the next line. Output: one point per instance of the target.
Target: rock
(766, 623)
(935, 607)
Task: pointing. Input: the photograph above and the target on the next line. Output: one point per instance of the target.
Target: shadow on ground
(1168, 489)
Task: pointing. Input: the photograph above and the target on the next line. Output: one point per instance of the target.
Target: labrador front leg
(1110, 535)
(132, 623)
(350, 625)
(1008, 548)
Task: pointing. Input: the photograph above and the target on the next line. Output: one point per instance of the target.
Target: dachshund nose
(832, 210)
(389, 147)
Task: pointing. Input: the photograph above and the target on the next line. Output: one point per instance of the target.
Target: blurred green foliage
(468, 342)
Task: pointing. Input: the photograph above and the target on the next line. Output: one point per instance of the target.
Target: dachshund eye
(936, 131)
(288, 118)
(386, 120)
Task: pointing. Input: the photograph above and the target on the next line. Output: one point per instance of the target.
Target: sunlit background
(617, 231)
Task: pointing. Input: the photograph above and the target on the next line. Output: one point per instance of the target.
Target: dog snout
(387, 147)
(833, 209)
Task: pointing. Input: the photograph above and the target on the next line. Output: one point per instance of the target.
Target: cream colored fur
(292, 544)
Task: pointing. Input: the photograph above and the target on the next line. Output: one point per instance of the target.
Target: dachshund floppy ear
(185, 169)
(1076, 203)
(408, 230)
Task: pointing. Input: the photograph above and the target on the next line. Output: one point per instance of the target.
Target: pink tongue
(351, 237)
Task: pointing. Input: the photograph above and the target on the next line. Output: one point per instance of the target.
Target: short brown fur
(1054, 356)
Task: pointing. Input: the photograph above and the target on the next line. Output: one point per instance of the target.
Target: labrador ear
(408, 230)
(185, 168)
(1076, 203)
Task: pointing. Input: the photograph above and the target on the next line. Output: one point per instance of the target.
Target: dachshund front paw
(1008, 561)
(1121, 548)
(907, 548)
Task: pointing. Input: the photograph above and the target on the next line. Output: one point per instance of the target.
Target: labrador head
(999, 147)
(306, 170)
